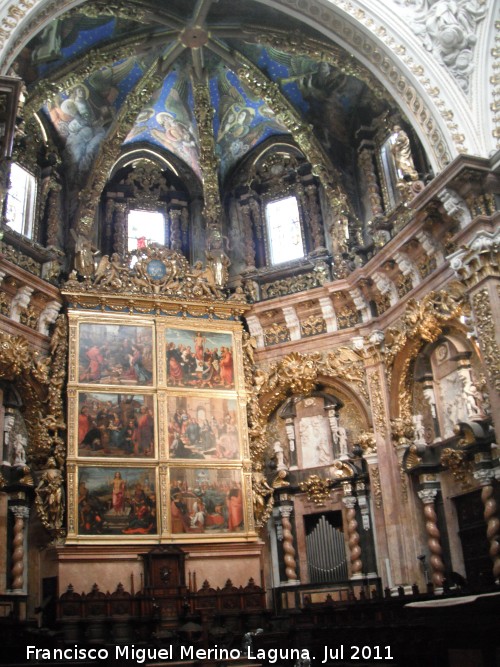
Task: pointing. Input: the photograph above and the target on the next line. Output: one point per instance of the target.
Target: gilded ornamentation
(20, 259)
(40, 384)
(276, 333)
(413, 459)
(460, 466)
(402, 431)
(376, 486)
(346, 364)
(317, 489)
(366, 440)
(423, 322)
(270, 92)
(161, 280)
(290, 285)
(204, 113)
(377, 404)
(479, 259)
(347, 317)
(313, 326)
(486, 334)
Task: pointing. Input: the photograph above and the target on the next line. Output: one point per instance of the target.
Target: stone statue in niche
(84, 255)
(419, 429)
(217, 259)
(401, 153)
(19, 444)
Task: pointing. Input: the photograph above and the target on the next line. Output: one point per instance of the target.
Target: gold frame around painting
(115, 385)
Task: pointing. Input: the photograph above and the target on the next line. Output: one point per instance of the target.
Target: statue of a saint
(401, 152)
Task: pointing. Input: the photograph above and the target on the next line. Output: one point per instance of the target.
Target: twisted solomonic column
(427, 496)
(485, 478)
(353, 537)
(288, 549)
(21, 512)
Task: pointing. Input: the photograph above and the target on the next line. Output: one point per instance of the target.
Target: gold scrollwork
(317, 489)
(459, 464)
(486, 331)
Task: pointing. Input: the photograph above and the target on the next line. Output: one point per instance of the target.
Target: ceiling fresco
(190, 42)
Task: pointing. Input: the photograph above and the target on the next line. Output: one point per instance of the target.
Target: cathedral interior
(250, 325)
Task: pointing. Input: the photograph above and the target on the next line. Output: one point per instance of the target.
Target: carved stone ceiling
(90, 63)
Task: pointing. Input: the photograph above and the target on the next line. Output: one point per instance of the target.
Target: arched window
(284, 231)
(21, 200)
(145, 228)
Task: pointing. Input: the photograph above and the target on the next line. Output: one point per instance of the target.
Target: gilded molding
(377, 404)
(422, 322)
(209, 163)
(486, 333)
(87, 64)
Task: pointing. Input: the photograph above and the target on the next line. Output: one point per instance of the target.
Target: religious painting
(206, 501)
(203, 427)
(115, 354)
(116, 501)
(116, 425)
(199, 359)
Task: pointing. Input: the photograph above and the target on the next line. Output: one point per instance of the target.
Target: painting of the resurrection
(199, 359)
(202, 427)
(115, 354)
(206, 501)
(115, 425)
(116, 501)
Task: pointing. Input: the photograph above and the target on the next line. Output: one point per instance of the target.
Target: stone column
(352, 534)
(478, 266)
(485, 477)
(427, 495)
(21, 513)
(288, 548)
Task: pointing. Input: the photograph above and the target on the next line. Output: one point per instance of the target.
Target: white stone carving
(48, 316)
(407, 268)
(448, 29)
(455, 206)
(20, 302)
(386, 286)
(314, 441)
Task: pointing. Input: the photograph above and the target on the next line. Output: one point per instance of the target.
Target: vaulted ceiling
(133, 72)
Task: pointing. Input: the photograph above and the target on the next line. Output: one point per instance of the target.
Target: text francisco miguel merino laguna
(141, 654)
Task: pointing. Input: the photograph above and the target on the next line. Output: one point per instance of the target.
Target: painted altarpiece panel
(206, 501)
(203, 427)
(120, 483)
(199, 359)
(115, 425)
(116, 501)
(115, 354)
